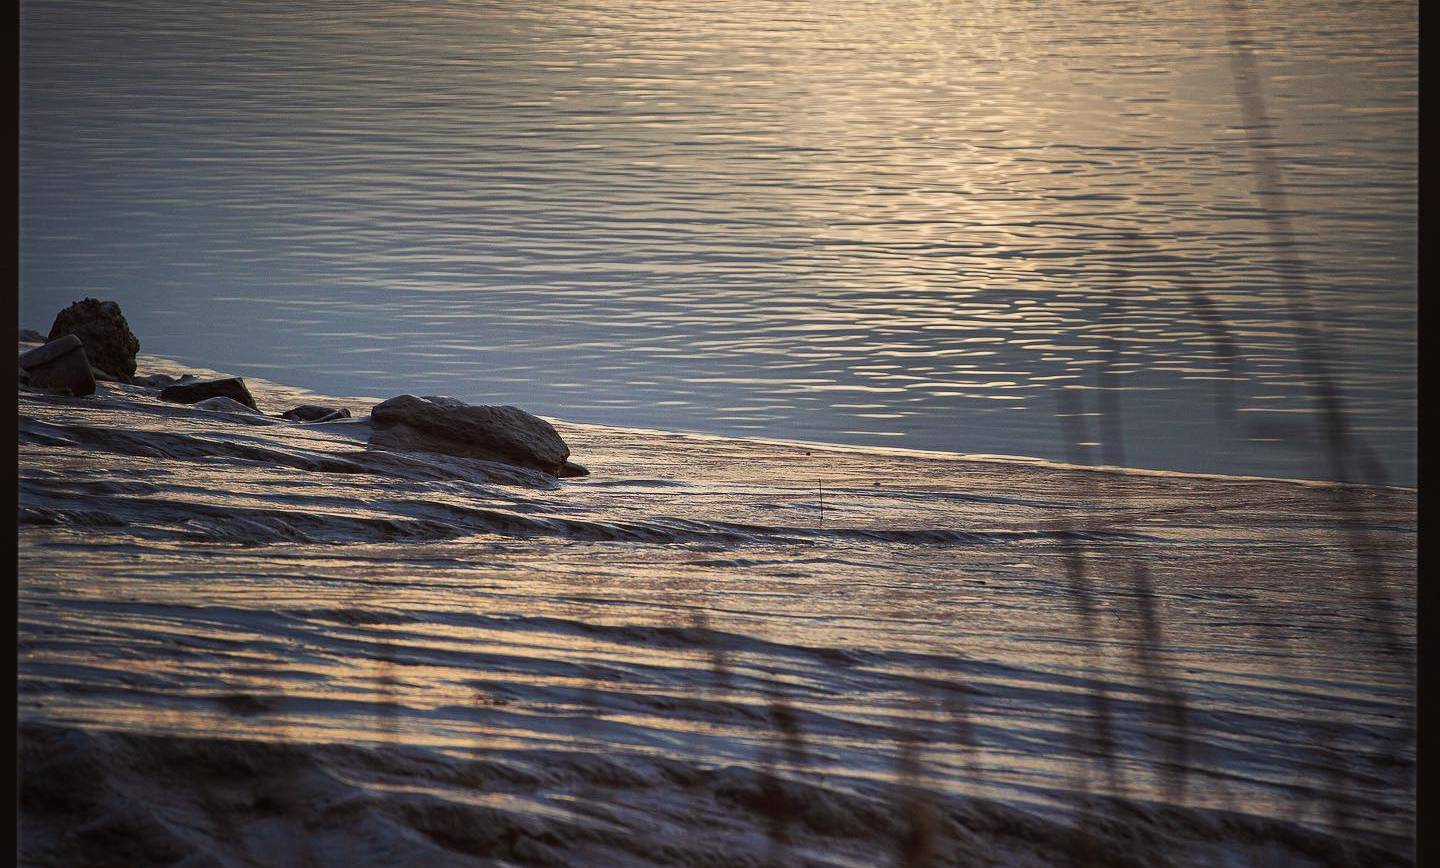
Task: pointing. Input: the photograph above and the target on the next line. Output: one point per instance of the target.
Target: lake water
(919, 224)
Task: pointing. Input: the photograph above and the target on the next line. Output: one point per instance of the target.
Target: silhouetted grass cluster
(1170, 726)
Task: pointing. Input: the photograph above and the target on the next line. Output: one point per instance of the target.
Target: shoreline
(360, 406)
(681, 655)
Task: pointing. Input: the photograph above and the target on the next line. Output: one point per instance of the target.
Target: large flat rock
(193, 393)
(59, 365)
(451, 427)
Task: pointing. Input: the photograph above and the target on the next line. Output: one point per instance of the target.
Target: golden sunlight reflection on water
(738, 218)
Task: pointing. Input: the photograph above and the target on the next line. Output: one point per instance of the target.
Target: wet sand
(249, 641)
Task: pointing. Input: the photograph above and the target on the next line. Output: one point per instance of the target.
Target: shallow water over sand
(266, 639)
(910, 224)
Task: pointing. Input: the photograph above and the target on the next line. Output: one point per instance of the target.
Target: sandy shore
(249, 641)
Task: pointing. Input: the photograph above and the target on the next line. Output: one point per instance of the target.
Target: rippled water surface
(989, 228)
(909, 224)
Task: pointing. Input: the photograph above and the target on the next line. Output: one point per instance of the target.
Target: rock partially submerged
(445, 425)
(30, 336)
(60, 365)
(191, 393)
(315, 413)
(110, 346)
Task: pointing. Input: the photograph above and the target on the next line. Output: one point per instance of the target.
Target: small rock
(190, 393)
(30, 336)
(160, 381)
(59, 365)
(49, 352)
(222, 404)
(570, 468)
(451, 427)
(109, 344)
(315, 413)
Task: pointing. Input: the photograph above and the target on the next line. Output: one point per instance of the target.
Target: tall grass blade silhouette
(1169, 716)
(920, 830)
(1348, 458)
(1098, 740)
(778, 801)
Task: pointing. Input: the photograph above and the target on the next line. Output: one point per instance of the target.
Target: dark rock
(315, 413)
(190, 393)
(109, 344)
(222, 404)
(570, 468)
(59, 365)
(49, 352)
(451, 427)
(160, 381)
(30, 336)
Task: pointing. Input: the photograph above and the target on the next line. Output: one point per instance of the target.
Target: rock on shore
(160, 381)
(110, 346)
(61, 365)
(445, 425)
(315, 413)
(191, 393)
(222, 404)
(91, 340)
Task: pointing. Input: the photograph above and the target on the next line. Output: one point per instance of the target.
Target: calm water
(911, 224)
